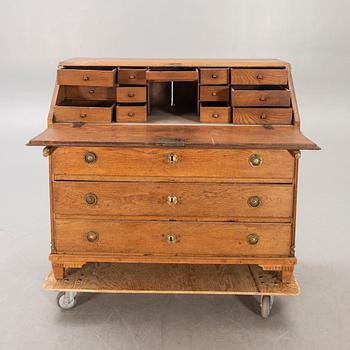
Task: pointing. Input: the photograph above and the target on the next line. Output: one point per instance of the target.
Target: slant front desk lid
(278, 137)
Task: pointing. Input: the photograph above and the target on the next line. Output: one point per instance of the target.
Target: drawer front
(215, 114)
(211, 76)
(214, 93)
(132, 76)
(168, 162)
(259, 76)
(83, 114)
(172, 238)
(271, 116)
(131, 94)
(85, 77)
(89, 93)
(173, 199)
(257, 98)
(130, 114)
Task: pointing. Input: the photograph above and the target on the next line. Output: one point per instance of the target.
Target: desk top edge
(171, 62)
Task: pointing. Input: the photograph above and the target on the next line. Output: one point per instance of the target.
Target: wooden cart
(171, 279)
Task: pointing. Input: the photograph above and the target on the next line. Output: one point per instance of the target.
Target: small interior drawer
(132, 76)
(86, 77)
(172, 75)
(84, 111)
(271, 116)
(259, 76)
(215, 112)
(214, 93)
(130, 94)
(131, 114)
(214, 76)
(89, 93)
(257, 98)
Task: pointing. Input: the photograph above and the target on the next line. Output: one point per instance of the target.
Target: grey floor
(317, 319)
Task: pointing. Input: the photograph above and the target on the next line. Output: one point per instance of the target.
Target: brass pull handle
(91, 198)
(254, 201)
(171, 200)
(214, 76)
(86, 77)
(172, 158)
(90, 157)
(253, 238)
(214, 93)
(215, 115)
(83, 115)
(260, 77)
(131, 76)
(262, 98)
(171, 238)
(131, 94)
(255, 160)
(91, 91)
(92, 236)
(131, 114)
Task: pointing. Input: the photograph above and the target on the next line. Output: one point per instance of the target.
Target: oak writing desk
(186, 165)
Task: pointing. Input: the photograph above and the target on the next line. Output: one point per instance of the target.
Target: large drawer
(167, 162)
(172, 199)
(172, 238)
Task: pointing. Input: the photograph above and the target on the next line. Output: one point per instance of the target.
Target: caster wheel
(66, 300)
(266, 305)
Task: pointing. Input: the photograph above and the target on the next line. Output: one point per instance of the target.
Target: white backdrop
(314, 35)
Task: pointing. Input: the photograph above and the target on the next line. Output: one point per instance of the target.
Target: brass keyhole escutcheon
(171, 238)
(254, 201)
(172, 158)
(253, 238)
(255, 160)
(171, 200)
(90, 157)
(92, 236)
(91, 198)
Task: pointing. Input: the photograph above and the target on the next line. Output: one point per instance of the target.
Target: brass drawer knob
(91, 91)
(92, 236)
(90, 157)
(253, 238)
(83, 115)
(86, 78)
(131, 94)
(131, 76)
(214, 76)
(255, 160)
(91, 198)
(260, 77)
(131, 114)
(171, 200)
(254, 201)
(214, 93)
(215, 115)
(171, 238)
(172, 158)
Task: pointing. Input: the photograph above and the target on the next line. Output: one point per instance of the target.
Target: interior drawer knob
(214, 93)
(131, 76)
(86, 78)
(171, 238)
(259, 76)
(83, 115)
(263, 116)
(91, 198)
(254, 201)
(215, 115)
(92, 236)
(253, 238)
(262, 98)
(171, 200)
(91, 91)
(131, 114)
(255, 160)
(131, 94)
(172, 158)
(214, 76)
(90, 157)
